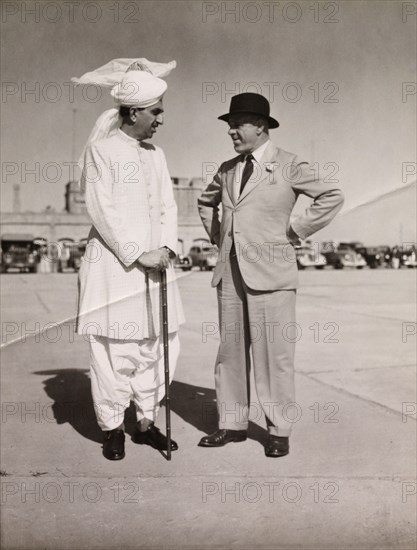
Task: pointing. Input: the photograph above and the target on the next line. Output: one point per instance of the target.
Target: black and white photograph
(208, 275)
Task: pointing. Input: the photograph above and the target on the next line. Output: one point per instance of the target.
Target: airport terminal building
(74, 222)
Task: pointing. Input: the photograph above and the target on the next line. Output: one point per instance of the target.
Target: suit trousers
(260, 324)
(122, 370)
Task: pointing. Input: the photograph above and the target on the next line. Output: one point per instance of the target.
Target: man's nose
(232, 131)
(160, 118)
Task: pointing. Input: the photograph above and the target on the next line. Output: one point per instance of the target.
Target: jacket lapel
(230, 177)
(261, 172)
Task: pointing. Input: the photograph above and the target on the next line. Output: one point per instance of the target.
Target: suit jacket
(258, 222)
(129, 197)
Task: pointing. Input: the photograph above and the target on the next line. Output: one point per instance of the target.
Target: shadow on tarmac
(70, 390)
(197, 406)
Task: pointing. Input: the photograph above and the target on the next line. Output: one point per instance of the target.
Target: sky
(340, 76)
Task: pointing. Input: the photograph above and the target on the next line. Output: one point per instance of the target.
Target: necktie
(247, 172)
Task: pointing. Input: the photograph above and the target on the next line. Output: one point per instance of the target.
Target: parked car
(71, 253)
(204, 256)
(184, 262)
(308, 256)
(356, 245)
(385, 252)
(18, 252)
(342, 255)
(408, 258)
(376, 256)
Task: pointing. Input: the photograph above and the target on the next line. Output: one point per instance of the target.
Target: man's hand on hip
(154, 260)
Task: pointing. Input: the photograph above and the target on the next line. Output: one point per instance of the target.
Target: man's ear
(132, 114)
(262, 126)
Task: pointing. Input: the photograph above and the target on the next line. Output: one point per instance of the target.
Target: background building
(75, 223)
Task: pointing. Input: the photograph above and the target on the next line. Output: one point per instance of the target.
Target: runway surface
(348, 482)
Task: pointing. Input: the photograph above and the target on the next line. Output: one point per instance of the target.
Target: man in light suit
(256, 273)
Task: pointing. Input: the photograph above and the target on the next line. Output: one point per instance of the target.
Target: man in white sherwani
(129, 197)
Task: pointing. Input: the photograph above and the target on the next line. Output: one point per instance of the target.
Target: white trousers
(125, 370)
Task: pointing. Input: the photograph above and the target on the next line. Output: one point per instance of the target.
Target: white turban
(133, 88)
(139, 89)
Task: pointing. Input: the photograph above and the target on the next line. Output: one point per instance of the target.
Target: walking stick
(166, 359)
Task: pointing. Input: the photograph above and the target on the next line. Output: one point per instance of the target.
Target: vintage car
(342, 255)
(375, 256)
(356, 245)
(182, 261)
(18, 252)
(71, 253)
(204, 255)
(308, 256)
(408, 258)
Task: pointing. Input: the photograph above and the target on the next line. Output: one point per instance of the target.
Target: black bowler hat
(248, 102)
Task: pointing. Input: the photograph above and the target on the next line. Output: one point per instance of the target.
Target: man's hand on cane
(155, 260)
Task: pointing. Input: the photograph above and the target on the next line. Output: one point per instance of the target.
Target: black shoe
(222, 437)
(154, 438)
(114, 444)
(277, 446)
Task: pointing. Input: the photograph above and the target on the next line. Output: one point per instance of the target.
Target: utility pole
(74, 112)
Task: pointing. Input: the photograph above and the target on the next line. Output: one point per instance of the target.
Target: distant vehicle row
(354, 255)
(318, 255)
(23, 252)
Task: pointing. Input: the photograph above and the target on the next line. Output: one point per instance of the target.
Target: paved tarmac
(348, 482)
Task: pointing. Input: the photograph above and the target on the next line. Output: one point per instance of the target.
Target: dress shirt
(257, 156)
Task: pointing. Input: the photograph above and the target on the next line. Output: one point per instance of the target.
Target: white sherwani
(129, 198)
